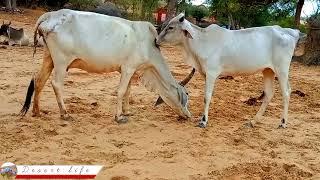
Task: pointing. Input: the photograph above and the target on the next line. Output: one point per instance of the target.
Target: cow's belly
(245, 65)
(93, 68)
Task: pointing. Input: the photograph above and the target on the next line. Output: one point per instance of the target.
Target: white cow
(215, 51)
(100, 44)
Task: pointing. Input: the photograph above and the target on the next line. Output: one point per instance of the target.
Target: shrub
(83, 4)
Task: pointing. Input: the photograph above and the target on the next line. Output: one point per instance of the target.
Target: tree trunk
(231, 22)
(14, 4)
(172, 8)
(33, 4)
(8, 4)
(298, 13)
(143, 10)
(11, 4)
(312, 46)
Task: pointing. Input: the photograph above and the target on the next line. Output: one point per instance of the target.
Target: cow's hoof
(202, 122)
(122, 119)
(67, 117)
(36, 114)
(282, 126)
(249, 124)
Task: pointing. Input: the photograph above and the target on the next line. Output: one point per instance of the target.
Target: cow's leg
(283, 79)
(268, 78)
(126, 74)
(61, 63)
(57, 84)
(209, 86)
(40, 80)
(126, 102)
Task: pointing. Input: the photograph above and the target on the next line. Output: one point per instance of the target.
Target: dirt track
(154, 144)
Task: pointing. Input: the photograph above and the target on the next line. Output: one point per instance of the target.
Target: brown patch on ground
(154, 144)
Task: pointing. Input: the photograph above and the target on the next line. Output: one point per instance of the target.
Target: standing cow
(215, 51)
(100, 44)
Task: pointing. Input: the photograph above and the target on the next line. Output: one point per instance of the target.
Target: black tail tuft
(27, 102)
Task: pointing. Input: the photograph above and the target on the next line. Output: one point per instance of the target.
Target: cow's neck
(192, 56)
(161, 71)
(197, 28)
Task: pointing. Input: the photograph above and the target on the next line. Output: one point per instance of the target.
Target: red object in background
(160, 15)
(213, 19)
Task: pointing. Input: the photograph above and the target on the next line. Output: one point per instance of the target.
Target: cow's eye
(170, 28)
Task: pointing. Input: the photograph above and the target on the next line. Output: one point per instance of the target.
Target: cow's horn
(188, 78)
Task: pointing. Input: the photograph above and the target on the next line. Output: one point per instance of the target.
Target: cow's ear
(9, 22)
(187, 34)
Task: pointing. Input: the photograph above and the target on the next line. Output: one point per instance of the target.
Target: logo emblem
(8, 170)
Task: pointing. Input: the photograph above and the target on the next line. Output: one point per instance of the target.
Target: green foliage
(198, 12)
(83, 4)
(282, 10)
(248, 13)
(138, 9)
(282, 14)
(186, 7)
(253, 16)
(303, 28)
(287, 22)
(235, 13)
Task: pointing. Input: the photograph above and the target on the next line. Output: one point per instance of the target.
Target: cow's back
(248, 49)
(90, 36)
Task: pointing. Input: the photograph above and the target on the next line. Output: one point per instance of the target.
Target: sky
(308, 8)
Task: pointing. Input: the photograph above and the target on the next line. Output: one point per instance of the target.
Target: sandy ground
(154, 144)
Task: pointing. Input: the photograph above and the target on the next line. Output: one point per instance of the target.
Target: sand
(154, 144)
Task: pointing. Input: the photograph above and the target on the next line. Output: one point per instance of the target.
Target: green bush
(288, 22)
(303, 28)
(199, 12)
(83, 4)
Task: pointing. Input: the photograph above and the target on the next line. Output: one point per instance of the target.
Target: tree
(148, 6)
(172, 8)
(11, 5)
(248, 13)
(298, 13)
(312, 45)
(229, 12)
(199, 12)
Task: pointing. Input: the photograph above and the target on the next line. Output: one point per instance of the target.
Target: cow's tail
(41, 19)
(31, 87)
(27, 101)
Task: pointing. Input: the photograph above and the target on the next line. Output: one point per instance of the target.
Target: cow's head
(178, 99)
(4, 29)
(182, 83)
(177, 30)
